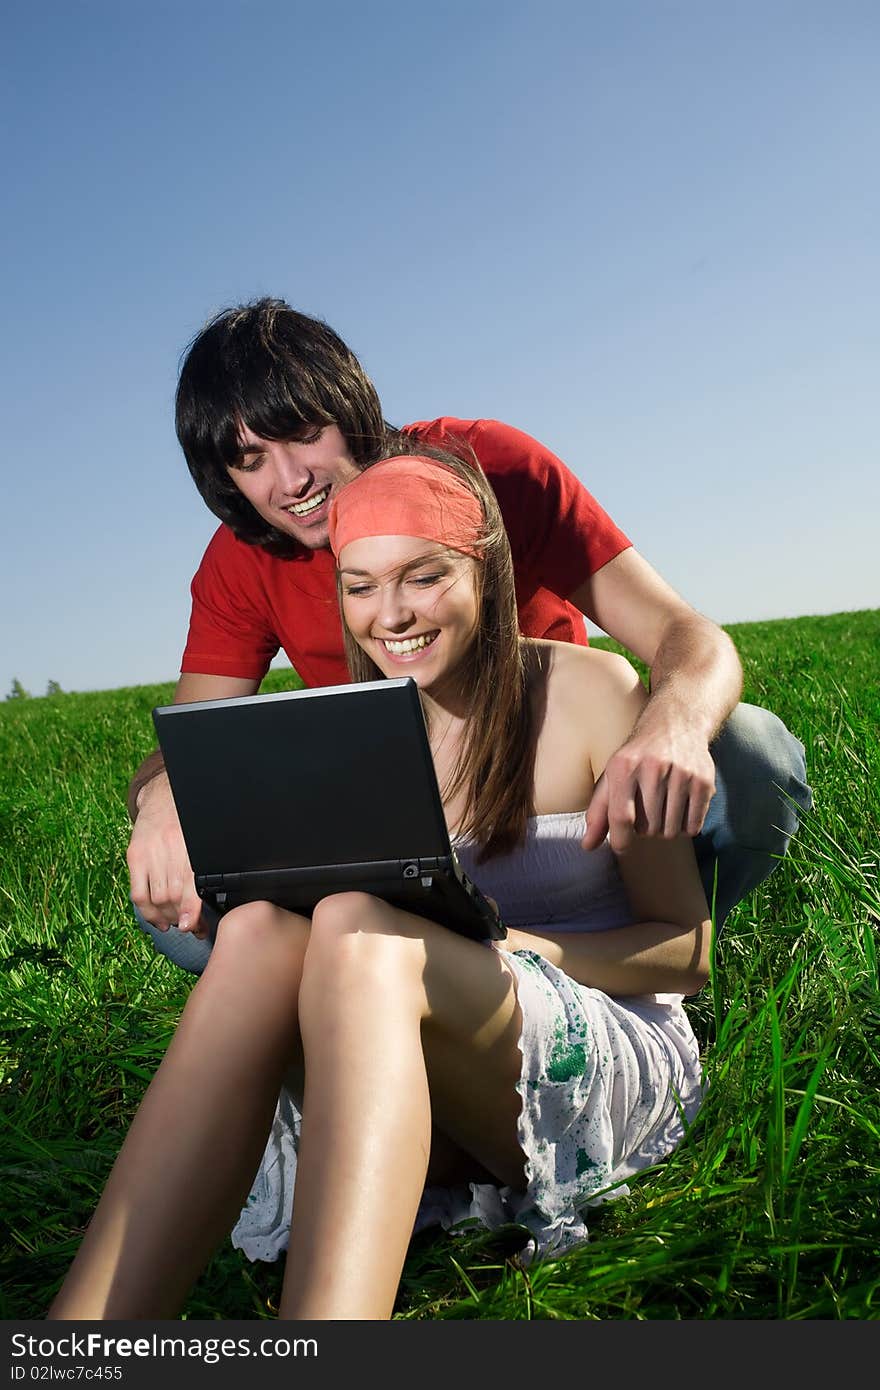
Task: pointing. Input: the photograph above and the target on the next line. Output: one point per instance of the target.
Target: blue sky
(646, 233)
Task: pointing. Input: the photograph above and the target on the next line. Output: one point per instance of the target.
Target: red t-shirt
(246, 603)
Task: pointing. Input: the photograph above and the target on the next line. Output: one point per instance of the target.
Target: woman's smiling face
(411, 605)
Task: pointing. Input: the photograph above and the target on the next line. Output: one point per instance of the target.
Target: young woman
(424, 1076)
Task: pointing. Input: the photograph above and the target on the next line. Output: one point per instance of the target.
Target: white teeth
(409, 644)
(311, 503)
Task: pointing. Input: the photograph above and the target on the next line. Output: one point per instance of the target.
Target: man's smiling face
(290, 482)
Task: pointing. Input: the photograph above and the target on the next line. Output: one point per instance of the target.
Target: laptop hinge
(211, 882)
(418, 868)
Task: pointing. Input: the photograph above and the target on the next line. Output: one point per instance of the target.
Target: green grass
(769, 1210)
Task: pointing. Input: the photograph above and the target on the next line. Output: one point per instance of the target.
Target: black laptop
(296, 796)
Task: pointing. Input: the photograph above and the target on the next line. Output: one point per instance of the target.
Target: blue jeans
(760, 793)
(761, 789)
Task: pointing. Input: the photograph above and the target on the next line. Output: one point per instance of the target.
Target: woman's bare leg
(383, 991)
(187, 1163)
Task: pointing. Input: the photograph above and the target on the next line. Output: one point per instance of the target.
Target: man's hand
(162, 884)
(660, 782)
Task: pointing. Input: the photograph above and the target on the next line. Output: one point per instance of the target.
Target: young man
(275, 415)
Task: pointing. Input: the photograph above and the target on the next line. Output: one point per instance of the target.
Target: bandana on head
(407, 495)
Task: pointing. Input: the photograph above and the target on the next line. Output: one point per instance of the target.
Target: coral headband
(407, 496)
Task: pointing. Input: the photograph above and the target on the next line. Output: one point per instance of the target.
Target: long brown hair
(495, 767)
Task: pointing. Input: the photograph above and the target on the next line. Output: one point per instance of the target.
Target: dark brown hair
(280, 373)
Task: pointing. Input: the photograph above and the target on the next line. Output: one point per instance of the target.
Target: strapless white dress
(607, 1085)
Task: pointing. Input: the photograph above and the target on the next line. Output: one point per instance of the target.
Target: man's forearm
(696, 676)
(151, 767)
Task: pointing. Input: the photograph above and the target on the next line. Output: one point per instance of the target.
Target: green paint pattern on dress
(583, 1163)
(566, 1062)
(530, 959)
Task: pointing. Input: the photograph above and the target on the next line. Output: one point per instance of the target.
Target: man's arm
(661, 780)
(162, 885)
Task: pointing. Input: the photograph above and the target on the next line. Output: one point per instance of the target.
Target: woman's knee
(346, 915)
(260, 931)
(355, 933)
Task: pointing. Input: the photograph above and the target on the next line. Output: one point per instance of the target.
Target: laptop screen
(341, 774)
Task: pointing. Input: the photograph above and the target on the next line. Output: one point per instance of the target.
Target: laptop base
(440, 899)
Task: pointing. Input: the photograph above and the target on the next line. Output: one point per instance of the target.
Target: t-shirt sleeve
(229, 634)
(557, 529)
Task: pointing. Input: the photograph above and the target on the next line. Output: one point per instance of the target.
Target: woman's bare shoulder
(590, 700)
(586, 673)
